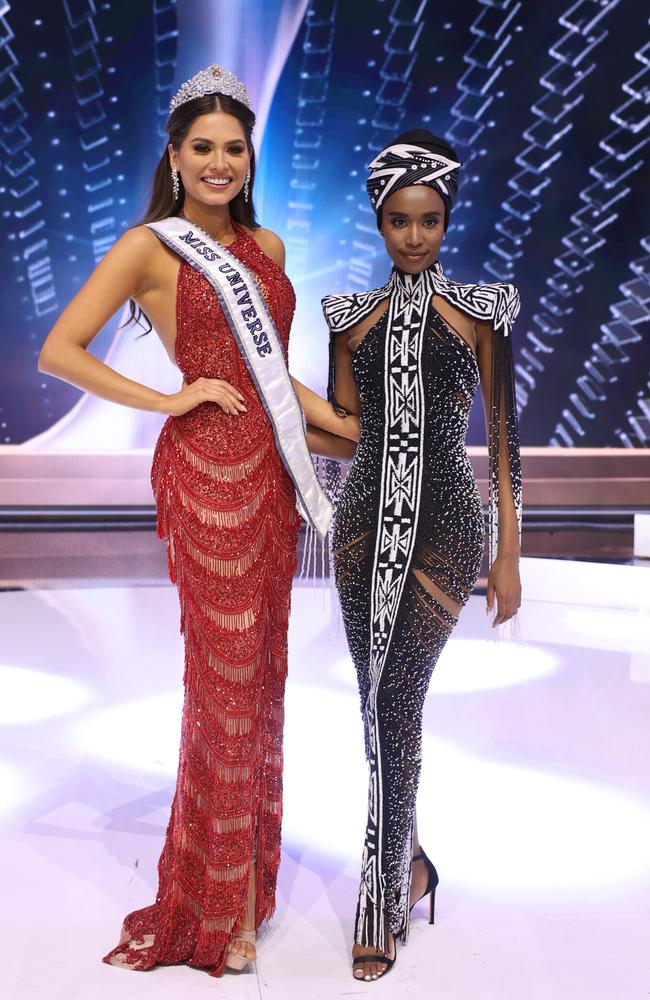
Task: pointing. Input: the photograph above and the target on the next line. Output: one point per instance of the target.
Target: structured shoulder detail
(342, 312)
(497, 302)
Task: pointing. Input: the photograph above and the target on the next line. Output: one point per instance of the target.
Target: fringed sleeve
(341, 313)
(341, 411)
(503, 425)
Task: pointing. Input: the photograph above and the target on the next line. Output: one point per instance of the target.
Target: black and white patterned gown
(408, 530)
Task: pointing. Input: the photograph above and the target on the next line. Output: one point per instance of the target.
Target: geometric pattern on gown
(227, 509)
(408, 541)
(497, 303)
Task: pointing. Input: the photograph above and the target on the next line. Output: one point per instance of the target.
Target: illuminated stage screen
(544, 102)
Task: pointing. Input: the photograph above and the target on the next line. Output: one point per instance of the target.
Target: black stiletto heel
(432, 904)
(432, 884)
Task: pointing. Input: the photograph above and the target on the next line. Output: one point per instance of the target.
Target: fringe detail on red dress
(226, 508)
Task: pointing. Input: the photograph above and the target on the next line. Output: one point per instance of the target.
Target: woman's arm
(340, 416)
(121, 275)
(319, 414)
(344, 395)
(322, 416)
(503, 580)
(328, 445)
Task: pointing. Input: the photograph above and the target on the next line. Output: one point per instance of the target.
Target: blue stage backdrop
(546, 103)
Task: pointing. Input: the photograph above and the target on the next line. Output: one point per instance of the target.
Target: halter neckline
(408, 281)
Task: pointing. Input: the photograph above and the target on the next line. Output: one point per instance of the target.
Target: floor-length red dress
(227, 508)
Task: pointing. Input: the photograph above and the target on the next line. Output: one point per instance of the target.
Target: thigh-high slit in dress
(408, 537)
(227, 509)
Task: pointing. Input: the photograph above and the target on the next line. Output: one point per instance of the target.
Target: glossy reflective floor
(534, 800)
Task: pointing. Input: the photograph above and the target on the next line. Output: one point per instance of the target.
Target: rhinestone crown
(213, 80)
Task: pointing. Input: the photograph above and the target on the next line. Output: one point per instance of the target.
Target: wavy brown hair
(162, 203)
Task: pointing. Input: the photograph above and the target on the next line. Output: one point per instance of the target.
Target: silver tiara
(213, 80)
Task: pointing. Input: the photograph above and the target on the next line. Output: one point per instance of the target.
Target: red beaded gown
(227, 508)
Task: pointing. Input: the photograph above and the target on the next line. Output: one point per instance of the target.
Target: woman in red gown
(227, 508)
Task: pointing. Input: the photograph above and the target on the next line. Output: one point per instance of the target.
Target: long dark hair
(162, 203)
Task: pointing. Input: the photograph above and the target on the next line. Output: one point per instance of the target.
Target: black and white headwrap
(416, 157)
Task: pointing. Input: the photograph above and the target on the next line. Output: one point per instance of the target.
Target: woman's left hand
(504, 584)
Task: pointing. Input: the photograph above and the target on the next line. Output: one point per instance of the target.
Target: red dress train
(227, 509)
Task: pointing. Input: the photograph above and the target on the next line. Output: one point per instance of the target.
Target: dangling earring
(247, 183)
(175, 184)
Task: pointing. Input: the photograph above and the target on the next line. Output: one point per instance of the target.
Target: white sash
(253, 329)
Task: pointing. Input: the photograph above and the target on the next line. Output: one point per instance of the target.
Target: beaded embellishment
(212, 80)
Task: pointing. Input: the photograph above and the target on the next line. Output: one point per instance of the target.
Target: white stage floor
(534, 800)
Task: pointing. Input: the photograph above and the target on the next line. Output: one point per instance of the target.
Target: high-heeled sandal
(237, 962)
(377, 960)
(432, 884)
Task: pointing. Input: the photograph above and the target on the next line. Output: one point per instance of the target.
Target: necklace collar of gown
(413, 292)
(409, 284)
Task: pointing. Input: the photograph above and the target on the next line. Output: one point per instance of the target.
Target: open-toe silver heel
(237, 962)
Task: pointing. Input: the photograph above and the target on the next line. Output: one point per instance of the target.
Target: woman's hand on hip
(504, 585)
(204, 390)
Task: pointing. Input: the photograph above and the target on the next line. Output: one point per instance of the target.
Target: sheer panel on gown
(409, 537)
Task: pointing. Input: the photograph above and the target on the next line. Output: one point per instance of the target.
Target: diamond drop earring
(247, 183)
(175, 184)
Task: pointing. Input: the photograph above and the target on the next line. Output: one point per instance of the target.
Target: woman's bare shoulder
(140, 251)
(138, 238)
(270, 243)
(138, 247)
